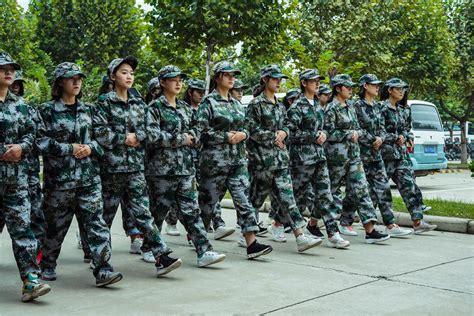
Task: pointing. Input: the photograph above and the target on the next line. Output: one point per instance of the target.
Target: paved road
(457, 186)
(431, 274)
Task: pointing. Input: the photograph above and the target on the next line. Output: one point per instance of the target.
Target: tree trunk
(463, 142)
(209, 49)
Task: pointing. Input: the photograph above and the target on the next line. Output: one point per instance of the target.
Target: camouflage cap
(239, 84)
(153, 83)
(114, 64)
(273, 71)
(6, 59)
(197, 84)
(226, 66)
(310, 74)
(171, 71)
(324, 89)
(396, 83)
(342, 80)
(67, 70)
(292, 93)
(370, 79)
(19, 76)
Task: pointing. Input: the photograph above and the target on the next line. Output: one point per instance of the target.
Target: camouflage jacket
(215, 118)
(33, 158)
(370, 121)
(339, 122)
(406, 111)
(58, 131)
(264, 119)
(113, 120)
(166, 151)
(394, 122)
(16, 127)
(305, 122)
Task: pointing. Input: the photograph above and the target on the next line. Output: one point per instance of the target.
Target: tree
(213, 25)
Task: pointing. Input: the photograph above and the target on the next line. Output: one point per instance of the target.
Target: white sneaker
(148, 257)
(424, 227)
(336, 241)
(304, 242)
(209, 257)
(79, 241)
(347, 230)
(172, 230)
(278, 232)
(241, 242)
(136, 245)
(396, 231)
(222, 232)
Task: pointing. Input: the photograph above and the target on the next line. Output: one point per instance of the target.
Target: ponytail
(260, 88)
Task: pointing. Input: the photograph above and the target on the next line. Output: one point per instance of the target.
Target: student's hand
(13, 153)
(280, 136)
(83, 152)
(229, 136)
(400, 140)
(355, 137)
(237, 137)
(189, 140)
(321, 139)
(377, 143)
(132, 140)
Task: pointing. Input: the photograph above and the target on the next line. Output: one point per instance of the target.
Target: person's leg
(113, 190)
(379, 187)
(337, 172)
(302, 187)
(38, 224)
(212, 186)
(128, 221)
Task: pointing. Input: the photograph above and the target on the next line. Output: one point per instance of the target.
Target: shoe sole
(310, 246)
(48, 279)
(260, 234)
(331, 245)
(42, 291)
(351, 235)
(230, 232)
(113, 280)
(265, 251)
(421, 231)
(400, 235)
(170, 268)
(376, 241)
(212, 262)
(278, 240)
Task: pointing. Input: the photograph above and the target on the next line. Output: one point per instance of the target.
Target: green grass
(440, 208)
(458, 166)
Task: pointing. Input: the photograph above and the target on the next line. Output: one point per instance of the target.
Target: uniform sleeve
(140, 128)
(46, 142)
(207, 133)
(256, 132)
(366, 138)
(28, 130)
(390, 138)
(408, 126)
(330, 125)
(103, 132)
(294, 122)
(159, 137)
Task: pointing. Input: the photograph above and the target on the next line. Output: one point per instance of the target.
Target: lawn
(440, 208)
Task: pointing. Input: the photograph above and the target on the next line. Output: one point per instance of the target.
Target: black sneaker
(375, 237)
(107, 277)
(314, 231)
(166, 264)
(256, 250)
(262, 230)
(87, 258)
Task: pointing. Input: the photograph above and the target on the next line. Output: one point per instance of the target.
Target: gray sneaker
(105, 278)
(336, 241)
(48, 274)
(424, 227)
(208, 258)
(396, 231)
(304, 242)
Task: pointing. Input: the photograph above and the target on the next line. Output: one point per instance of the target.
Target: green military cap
(6, 59)
(292, 93)
(153, 83)
(239, 84)
(309, 74)
(67, 70)
(226, 66)
(396, 83)
(19, 76)
(273, 71)
(370, 79)
(106, 79)
(197, 84)
(171, 71)
(324, 89)
(342, 80)
(114, 64)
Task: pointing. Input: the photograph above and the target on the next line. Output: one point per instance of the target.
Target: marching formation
(162, 159)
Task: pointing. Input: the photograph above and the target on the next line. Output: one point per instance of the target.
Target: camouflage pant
(401, 172)
(212, 187)
(179, 193)
(130, 189)
(379, 188)
(277, 184)
(38, 223)
(59, 209)
(352, 172)
(312, 187)
(15, 211)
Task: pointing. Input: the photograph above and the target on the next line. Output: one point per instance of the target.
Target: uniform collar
(11, 97)
(59, 106)
(179, 104)
(263, 98)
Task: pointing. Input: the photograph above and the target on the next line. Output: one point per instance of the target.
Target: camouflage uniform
(223, 165)
(269, 165)
(370, 121)
(123, 166)
(309, 171)
(170, 168)
(343, 155)
(17, 127)
(397, 164)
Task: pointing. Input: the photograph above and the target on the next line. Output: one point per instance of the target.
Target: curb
(445, 224)
(451, 171)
